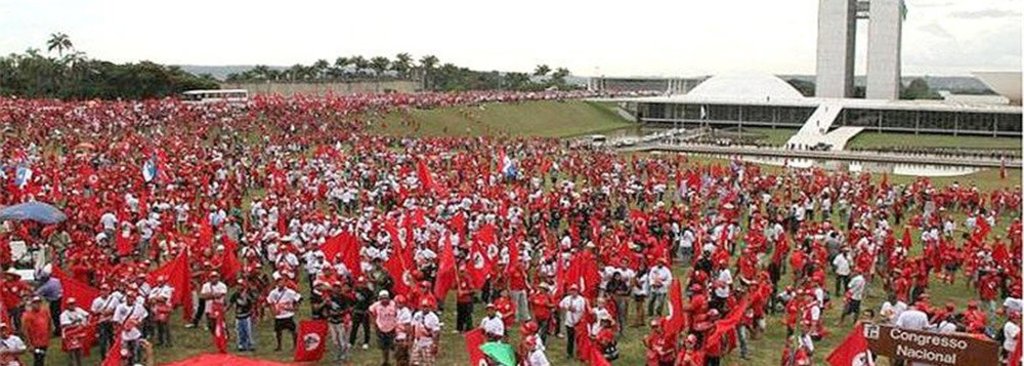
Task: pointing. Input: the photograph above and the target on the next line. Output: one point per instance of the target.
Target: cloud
(936, 30)
(986, 13)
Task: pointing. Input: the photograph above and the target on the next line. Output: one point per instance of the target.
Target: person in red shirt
(13, 290)
(506, 309)
(690, 355)
(661, 349)
(464, 307)
(542, 306)
(37, 327)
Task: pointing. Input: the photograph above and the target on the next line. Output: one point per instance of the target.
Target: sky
(611, 38)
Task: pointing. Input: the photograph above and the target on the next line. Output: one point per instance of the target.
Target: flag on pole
(149, 170)
(853, 350)
(312, 341)
(22, 176)
(675, 321)
(446, 273)
(220, 333)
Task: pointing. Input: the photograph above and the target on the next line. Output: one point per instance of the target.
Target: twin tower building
(837, 40)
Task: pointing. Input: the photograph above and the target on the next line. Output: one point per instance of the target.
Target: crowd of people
(256, 212)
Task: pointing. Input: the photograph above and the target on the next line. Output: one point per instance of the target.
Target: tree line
(428, 70)
(70, 74)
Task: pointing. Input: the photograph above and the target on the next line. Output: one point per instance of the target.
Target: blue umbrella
(40, 212)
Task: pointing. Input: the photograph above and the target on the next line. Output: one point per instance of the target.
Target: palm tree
(296, 72)
(402, 64)
(360, 63)
(379, 65)
(541, 70)
(427, 64)
(60, 42)
(261, 72)
(319, 69)
(340, 64)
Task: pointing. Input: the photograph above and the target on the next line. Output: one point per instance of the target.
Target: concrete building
(643, 84)
(837, 42)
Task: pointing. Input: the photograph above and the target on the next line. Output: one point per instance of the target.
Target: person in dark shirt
(243, 301)
(363, 298)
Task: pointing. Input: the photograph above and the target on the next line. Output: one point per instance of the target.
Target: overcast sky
(616, 38)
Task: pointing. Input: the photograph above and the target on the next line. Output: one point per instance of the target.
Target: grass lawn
(869, 140)
(541, 119)
(772, 136)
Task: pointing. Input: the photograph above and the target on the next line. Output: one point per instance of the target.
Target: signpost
(952, 349)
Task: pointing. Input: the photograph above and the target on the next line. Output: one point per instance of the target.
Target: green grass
(873, 140)
(772, 136)
(540, 119)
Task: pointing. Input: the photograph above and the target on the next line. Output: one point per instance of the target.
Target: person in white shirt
(403, 341)
(573, 305)
(841, 265)
(1011, 330)
(856, 291)
(658, 281)
(426, 327)
(493, 325)
(70, 320)
(102, 308)
(11, 346)
(132, 309)
(212, 294)
(282, 301)
(913, 319)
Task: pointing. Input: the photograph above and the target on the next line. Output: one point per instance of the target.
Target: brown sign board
(944, 349)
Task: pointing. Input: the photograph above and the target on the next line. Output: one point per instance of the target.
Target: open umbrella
(500, 352)
(40, 212)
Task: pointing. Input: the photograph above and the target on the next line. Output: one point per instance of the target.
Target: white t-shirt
(856, 287)
(11, 344)
(73, 317)
(913, 319)
(283, 302)
(218, 289)
(841, 265)
(1010, 331)
(538, 358)
(404, 321)
(493, 325)
(574, 307)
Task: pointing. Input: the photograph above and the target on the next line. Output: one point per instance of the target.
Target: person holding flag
(283, 301)
(426, 330)
(73, 322)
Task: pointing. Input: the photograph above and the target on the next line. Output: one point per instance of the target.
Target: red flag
(312, 341)
(597, 358)
(426, 180)
(220, 333)
(853, 350)
(981, 229)
(178, 277)
(205, 234)
(113, 357)
(675, 321)
(81, 291)
(348, 246)
(446, 276)
(230, 267)
(398, 269)
(474, 339)
(479, 266)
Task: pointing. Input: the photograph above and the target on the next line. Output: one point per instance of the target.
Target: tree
(360, 63)
(541, 70)
(319, 69)
(805, 87)
(558, 77)
(427, 64)
(379, 64)
(402, 64)
(338, 70)
(918, 89)
(60, 42)
(261, 72)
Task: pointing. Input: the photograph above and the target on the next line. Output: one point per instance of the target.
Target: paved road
(861, 156)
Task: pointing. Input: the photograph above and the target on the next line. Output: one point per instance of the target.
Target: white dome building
(756, 86)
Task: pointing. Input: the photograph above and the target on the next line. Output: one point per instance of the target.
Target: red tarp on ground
(223, 360)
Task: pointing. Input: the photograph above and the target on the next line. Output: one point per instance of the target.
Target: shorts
(386, 340)
(282, 324)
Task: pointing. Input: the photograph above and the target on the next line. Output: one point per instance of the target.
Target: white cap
(383, 293)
